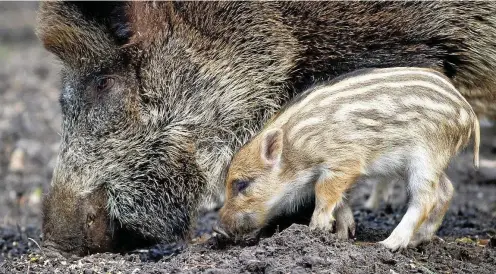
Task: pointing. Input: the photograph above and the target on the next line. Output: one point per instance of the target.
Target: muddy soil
(29, 127)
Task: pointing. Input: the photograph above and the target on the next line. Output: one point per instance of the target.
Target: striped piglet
(378, 124)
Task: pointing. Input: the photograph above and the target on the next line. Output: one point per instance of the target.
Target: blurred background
(29, 137)
(29, 124)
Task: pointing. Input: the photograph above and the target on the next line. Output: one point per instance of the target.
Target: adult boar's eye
(241, 185)
(104, 83)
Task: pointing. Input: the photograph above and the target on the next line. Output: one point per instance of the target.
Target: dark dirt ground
(29, 126)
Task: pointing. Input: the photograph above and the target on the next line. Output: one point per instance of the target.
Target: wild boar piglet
(377, 124)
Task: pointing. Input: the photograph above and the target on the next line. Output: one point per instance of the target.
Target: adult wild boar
(156, 97)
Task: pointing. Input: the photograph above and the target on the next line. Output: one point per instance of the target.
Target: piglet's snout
(219, 229)
(223, 225)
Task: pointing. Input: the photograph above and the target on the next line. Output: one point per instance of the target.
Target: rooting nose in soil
(218, 228)
(51, 250)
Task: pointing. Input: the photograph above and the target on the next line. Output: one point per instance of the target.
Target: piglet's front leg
(330, 207)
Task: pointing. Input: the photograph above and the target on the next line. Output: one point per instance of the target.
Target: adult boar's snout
(52, 250)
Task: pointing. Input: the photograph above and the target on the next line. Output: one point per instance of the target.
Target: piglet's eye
(104, 83)
(241, 185)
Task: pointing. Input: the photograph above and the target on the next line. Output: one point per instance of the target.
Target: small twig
(32, 240)
(426, 269)
(201, 265)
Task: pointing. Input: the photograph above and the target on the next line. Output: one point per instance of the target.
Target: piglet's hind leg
(444, 193)
(422, 183)
(380, 191)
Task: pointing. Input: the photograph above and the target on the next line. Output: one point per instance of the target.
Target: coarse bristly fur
(383, 124)
(156, 96)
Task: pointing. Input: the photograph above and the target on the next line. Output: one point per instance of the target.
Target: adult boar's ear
(149, 20)
(271, 147)
(78, 30)
(113, 16)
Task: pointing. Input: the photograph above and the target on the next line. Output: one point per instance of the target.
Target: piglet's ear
(271, 147)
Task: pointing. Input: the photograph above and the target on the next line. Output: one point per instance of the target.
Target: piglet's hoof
(345, 231)
(321, 221)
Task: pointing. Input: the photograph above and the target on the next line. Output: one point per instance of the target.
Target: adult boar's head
(127, 162)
